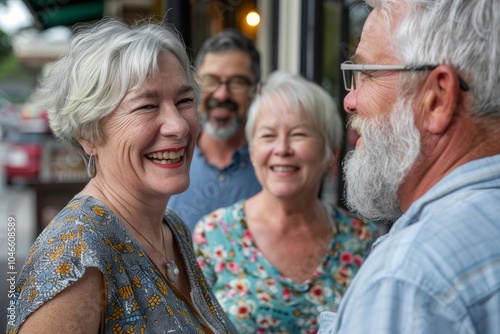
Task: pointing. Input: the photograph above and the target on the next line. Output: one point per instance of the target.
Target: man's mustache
(228, 104)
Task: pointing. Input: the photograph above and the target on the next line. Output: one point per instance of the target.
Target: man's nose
(221, 92)
(350, 102)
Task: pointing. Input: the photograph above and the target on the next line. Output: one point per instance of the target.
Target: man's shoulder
(198, 160)
(439, 233)
(450, 219)
(441, 252)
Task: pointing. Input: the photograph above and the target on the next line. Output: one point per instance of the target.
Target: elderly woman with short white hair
(277, 259)
(111, 261)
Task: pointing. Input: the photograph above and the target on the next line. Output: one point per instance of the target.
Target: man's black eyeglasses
(236, 85)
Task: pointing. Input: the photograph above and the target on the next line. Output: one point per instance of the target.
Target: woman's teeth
(282, 169)
(166, 157)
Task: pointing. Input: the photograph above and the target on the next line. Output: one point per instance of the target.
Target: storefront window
(342, 25)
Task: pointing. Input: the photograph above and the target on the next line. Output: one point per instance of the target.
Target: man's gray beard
(375, 171)
(222, 132)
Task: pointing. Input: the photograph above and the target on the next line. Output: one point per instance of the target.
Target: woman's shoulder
(222, 224)
(83, 234)
(351, 226)
(83, 215)
(61, 254)
(233, 214)
(66, 220)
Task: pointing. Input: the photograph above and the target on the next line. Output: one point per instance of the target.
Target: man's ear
(441, 93)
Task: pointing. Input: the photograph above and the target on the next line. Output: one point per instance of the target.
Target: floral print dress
(256, 297)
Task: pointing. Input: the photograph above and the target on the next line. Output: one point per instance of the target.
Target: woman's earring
(91, 166)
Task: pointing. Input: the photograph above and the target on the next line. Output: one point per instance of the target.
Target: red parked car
(23, 157)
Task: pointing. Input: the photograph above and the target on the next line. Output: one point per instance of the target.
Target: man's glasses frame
(236, 84)
(351, 72)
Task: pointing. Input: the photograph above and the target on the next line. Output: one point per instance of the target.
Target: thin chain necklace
(172, 269)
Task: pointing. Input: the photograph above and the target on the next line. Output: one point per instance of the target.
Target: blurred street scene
(37, 173)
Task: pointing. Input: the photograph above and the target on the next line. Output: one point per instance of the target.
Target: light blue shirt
(438, 269)
(212, 188)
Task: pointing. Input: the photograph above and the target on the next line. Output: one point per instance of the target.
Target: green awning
(51, 13)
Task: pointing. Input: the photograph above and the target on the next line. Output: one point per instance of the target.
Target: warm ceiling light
(253, 19)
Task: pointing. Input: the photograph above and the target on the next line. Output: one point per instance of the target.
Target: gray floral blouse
(139, 300)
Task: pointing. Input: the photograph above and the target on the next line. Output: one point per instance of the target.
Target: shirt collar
(473, 173)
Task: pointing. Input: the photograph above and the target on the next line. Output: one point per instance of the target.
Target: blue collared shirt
(438, 269)
(212, 188)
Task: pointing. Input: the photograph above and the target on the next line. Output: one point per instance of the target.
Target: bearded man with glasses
(424, 98)
(221, 173)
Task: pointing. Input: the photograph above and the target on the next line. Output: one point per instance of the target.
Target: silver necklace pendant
(172, 271)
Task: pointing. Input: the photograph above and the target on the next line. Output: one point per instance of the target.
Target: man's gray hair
(231, 40)
(463, 34)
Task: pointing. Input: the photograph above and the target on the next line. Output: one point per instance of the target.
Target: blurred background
(38, 175)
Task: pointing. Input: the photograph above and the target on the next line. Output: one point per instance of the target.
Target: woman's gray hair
(105, 62)
(463, 34)
(295, 93)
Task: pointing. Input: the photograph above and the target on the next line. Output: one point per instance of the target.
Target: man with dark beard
(221, 172)
(423, 90)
